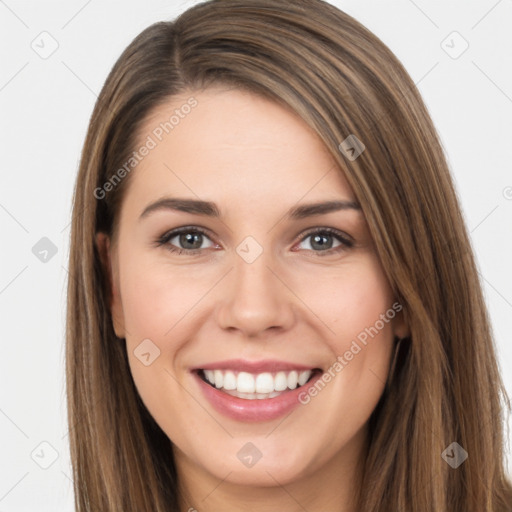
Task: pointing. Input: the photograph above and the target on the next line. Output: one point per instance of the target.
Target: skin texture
(255, 160)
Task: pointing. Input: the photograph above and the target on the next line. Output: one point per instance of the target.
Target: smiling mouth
(251, 386)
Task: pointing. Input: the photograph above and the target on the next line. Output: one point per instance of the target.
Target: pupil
(191, 238)
(321, 245)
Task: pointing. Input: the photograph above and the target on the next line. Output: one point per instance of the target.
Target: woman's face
(269, 292)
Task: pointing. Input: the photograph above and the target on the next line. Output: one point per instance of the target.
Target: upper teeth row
(260, 383)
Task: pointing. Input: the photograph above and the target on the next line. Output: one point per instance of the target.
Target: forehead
(233, 145)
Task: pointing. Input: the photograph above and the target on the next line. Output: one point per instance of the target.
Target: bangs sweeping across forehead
(342, 81)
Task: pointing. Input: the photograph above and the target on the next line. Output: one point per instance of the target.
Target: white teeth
(280, 381)
(303, 377)
(219, 379)
(229, 381)
(292, 379)
(256, 386)
(210, 375)
(245, 383)
(264, 383)
(253, 396)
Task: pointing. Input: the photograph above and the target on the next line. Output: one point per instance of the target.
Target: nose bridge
(255, 299)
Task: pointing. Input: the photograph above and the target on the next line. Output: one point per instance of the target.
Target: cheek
(157, 298)
(349, 300)
(355, 307)
(158, 305)
(161, 304)
(363, 324)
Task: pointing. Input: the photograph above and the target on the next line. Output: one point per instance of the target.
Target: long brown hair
(341, 80)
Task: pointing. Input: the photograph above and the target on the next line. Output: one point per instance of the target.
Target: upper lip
(267, 365)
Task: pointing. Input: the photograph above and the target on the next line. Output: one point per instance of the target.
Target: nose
(255, 299)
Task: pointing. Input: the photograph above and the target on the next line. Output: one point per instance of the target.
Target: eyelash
(166, 237)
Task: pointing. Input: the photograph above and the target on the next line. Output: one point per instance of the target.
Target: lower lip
(242, 409)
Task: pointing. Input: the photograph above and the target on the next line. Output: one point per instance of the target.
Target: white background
(45, 108)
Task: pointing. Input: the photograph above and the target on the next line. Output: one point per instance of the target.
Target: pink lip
(267, 365)
(241, 409)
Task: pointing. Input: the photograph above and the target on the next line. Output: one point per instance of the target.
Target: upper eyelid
(345, 237)
(331, 231)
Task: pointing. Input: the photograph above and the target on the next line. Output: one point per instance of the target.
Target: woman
(275, 302)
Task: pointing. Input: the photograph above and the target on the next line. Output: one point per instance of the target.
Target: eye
(190, 239)
(185, 240)
(322, 241)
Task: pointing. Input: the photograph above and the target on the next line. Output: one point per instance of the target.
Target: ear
(109, 264)
(400, 324)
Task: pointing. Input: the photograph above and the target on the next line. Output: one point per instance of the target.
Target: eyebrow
(210, 209)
